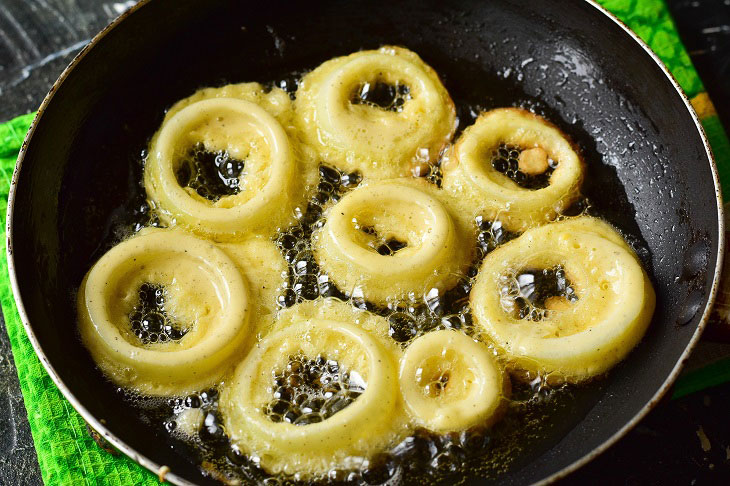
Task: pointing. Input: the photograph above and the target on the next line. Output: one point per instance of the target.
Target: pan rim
(170, 476)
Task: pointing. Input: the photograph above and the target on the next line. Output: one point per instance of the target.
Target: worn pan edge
(177, 480)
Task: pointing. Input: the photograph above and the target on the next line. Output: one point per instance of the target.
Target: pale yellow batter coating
(260, 261)
(378, 143)
(440, 243)
(450, 382)
(357, 341)
(573, 342)
(205, 291)
(199, 295)
(483, 191)
(251, 125)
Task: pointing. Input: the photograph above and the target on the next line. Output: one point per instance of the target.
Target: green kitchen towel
(67, 454)
(650, 19)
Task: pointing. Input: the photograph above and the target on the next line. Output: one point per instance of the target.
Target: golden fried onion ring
(438, 250)
(450, 382)
(204, 290)
(269, 186)
(361, 429)
(580, 339)
(359, 137)
(469, 176)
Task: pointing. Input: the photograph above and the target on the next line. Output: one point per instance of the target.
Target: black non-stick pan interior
(648, 170)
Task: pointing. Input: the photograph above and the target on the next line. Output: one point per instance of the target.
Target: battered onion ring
(439, 242)
(470, 177)
(204, 289)
(276, 174)
(361, 429)
(584, 338)
(450, 382)
(359, 137)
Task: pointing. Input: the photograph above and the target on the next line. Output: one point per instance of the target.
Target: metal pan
(650, 171)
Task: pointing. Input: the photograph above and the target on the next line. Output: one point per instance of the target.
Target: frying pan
(650, 171)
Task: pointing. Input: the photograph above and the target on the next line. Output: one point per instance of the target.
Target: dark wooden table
(686, 441)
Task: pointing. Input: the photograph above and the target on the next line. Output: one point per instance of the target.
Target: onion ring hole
(211, 174)
(383, 95)
(506, 160)
(150, 322)
(310, 390)
(534, 293)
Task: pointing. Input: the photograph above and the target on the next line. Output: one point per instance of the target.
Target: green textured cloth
(650, 19)
(68, 455)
